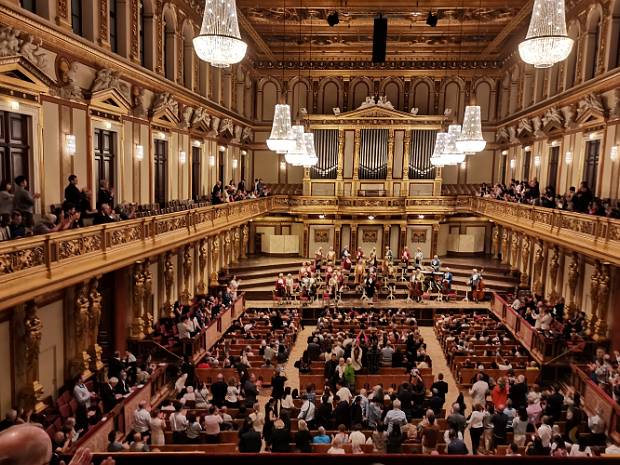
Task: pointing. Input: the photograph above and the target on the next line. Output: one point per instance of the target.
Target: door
(591, 163)
(196, 173)
(105, 157)
(14, 145)
(554, 160)
(160, 160)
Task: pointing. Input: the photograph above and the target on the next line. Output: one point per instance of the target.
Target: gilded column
(337, 238)
(201, 288)
(435, 239)
(236, 244)
(514, 251)
(94, 297)
(573, 278)
(245, 238)
(594, 288)
(149, 319)
(600, 328)
(340, 190)
(307, 187)
(390, 154)
(134, 36)
(403, 239)
(215, 261)
(554, 266)
(525, 262)
(353, 245)
(228, 249)
(168, 282)
(31, 394)
(539, 259)
(495, 242)
(137, 323)
(386, 239)
(504, 246)
(82, 328)
(406, 149)
(186, 295)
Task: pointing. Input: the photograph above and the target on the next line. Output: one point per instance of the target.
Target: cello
(478, 293)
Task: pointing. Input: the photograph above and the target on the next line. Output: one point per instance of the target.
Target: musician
(303, 270)
(280, 286)
(447, 280)
(372, 260)
(329, 271)
(416, 285)
(405, 257)
(345, 253)
(435, 263)
(360, 254)
(474, 282)
(346, 263)
(389, 256)
(419, 256)
(369, 285)
(318, 258)
(290, 284)
(359, 271)
(331, 256)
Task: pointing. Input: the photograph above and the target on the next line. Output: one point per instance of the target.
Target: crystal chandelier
(546, 42)
(436, 158)
(470, 139)
(311, 158)
(451, 154)
(281, 139)
(219, 41)
(298, 154)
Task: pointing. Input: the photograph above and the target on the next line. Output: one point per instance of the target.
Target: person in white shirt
(344, 393)
(81, 393)
(307, 410)
(183, 328)
(545, 432)
(395, 417)
(357, 439)
(479, 390)
(141, 418)
(336, 447)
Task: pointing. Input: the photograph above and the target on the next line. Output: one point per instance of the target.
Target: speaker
(379, 39)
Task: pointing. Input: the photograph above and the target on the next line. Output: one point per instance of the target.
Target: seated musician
(419, 257)
(331, 256)
(280, 286)
(346, 262)
(318, 258)
(372, 260)
(332, 283)
(405, 257)
(447, 280)
(290, 284)
(345, 253)
(435, 263)
(389, 256)
(359, 254)
(303, 270)
(416, 285)
(329, 271)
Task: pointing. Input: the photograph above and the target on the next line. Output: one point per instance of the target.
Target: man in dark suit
(123, 388)
(218, 389)
(108, 394)
(115, 365)
(72, 192)
(342, 412)
(518, 393)
(441, 386)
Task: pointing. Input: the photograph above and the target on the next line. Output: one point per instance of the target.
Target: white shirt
(394, 417)
(178, 422)
(545, 433)
(357, 438)
(475, 420)
(307, 411)
(82, 395)
(479, 392)
(141, 421)
(344, 394)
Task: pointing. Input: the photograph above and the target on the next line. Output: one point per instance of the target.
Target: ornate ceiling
(466, 29)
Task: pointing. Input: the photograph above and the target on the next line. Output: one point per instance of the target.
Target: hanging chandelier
(436, 158)
(451, 154)
(281, 139)
(469, 139)
(219, 41)
(298, 154)
(311, 158)
(546, 42)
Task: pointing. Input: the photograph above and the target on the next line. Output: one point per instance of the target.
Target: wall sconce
(421, 217)
(212, 160)
(613, 154)
(161, 135)
(537, 161)
(244, 152)
(14, 105)
(322, 217)
(107, 125)
(464, 165)
(282, 165)
(568, 158)
(370, 217)
(196, 143)
(139, 152)
(182, 157)
(221, 148)
(593, 135)
(555, 143)
(527, 148)
(235, 163)
(70, 144)
(513, 164)
(504, 152)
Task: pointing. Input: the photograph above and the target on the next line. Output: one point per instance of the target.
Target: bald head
(12, 450)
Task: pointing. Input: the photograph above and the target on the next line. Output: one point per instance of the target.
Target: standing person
(158, 423)
(73, 195)
(479, 390)
(476, 427)
(105, 194)
(219, 390)
(23, 200)
(6, 201)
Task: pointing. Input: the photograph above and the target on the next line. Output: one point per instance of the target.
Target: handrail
(594, 397)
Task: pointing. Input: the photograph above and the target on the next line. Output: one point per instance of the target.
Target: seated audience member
(336, 448)
(17, 228)
(303, 437)
(456, 446)
(280, 437)
(321, 437)
(116, 443)
(139, 444)
(105, 215)
(250, 440)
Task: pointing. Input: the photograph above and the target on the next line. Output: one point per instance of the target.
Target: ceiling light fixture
(371, 217)
(219, 42)
(470, 138)
(547, 41)
(322, 217)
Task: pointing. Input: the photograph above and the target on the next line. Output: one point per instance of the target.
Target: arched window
(422, 98)
(361, 90)
(570, 69)
(146, 33)
(76, 17)
(113, 27)
(298, 98)
(593, 36)
(188, 55)
(169, 49)
(483, 98)
(30, 5)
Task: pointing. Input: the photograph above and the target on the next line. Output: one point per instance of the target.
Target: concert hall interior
(282, 230)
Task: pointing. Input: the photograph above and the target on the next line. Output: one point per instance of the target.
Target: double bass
(478, 293)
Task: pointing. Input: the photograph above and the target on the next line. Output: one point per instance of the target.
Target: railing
(594, 397)
(121, 417)
(542, 348)
(54, 260)
(596, 236)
